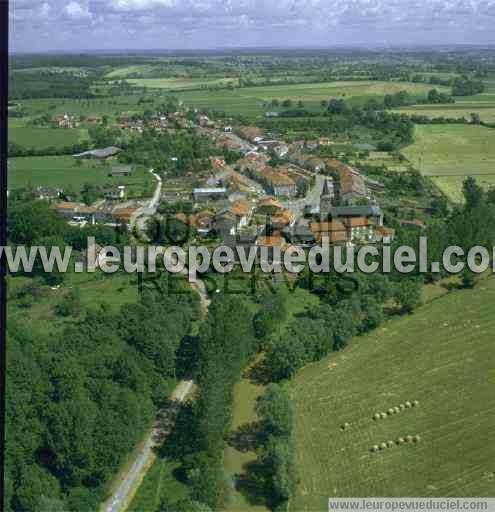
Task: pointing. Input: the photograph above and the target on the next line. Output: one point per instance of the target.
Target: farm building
(208, 194)
(99, 154)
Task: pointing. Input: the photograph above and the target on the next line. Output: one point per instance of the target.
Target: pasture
(63, 172)
(442, 356)
(40, 138)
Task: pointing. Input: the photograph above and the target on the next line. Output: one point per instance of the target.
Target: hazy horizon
(224, 25)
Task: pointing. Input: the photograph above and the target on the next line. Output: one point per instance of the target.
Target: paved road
(150, 209)
(127, 488)
(311, 199)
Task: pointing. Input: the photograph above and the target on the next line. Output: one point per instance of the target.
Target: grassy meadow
(172, 84)
(110, 106)
(40, 138)
(450, 153)
(443, 356)
(243, 495)
(63, 172)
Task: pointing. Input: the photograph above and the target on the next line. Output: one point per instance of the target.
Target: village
(277, 194)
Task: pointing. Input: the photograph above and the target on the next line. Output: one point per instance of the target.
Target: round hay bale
(408, 404)
(345, 426)
(383, 446)
(376, 416)
(415, 403)
(390, 444)
(390, 411)
(401, 440)
(396, 410)
(383, 415)
(375, 448)
(402, 407)
(409, 439)
(416, 439)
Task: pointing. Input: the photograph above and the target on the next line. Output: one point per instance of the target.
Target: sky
(77, 25)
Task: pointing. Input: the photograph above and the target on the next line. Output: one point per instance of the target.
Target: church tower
(326, 198)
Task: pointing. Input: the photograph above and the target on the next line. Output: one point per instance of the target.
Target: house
(114, 192)
(209, 194)
(125, 215)
(66, 209)
(269, 246)
(371, 212)
(361, 229)
(77, 212)
(300, 233)
(282, 219)
(64, 121)
(252, 133)
(384, 235)
(49, 193)
(334, 231)
(269, 205)
(99, 154)
(278, 183)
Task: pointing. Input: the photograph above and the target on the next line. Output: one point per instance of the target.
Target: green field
(451, 186)
(172, 84)
(40, 138)
(444, 357)
(251, 100)
(62, 171)
(450, 153)
(96, 289)
(97, 106)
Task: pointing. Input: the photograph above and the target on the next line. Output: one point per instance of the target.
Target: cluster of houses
(65, 121)
(105, 211)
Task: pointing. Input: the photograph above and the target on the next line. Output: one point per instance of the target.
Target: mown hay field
(444, 357)
(449, 153)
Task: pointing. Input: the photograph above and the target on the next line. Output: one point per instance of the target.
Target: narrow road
(124, 493)
(129, 483)
(150, 210)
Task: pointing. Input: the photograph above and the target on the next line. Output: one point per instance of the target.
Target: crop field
(62, 171)
(172, 84)
(40, 138)
(251, 100)
(443, 357)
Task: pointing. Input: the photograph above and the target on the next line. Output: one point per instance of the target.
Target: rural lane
(123, 494)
